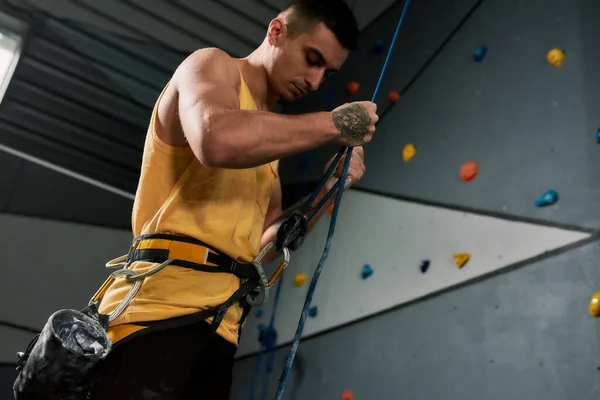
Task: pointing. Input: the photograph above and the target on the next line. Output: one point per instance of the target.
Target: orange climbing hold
(347, 395)
(330, 209)
(353, 87)
(394, 96)
(469, 171)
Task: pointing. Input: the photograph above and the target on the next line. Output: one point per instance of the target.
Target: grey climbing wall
(530, 126)
(521, 334)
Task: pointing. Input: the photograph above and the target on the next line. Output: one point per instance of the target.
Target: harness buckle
(260, 295)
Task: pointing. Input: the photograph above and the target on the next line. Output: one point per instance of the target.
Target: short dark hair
(303, 15)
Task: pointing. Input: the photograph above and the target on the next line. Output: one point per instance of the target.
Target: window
(12, 32)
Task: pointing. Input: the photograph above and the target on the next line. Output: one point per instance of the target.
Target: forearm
(245, 139)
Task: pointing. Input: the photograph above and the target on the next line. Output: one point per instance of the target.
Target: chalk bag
(58, 362)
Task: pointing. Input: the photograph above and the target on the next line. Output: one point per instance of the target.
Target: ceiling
(90, 72)
(236, 26)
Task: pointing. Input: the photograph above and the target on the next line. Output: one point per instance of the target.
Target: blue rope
(267, 339)
(339, 184)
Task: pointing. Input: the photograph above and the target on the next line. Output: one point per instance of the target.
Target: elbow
(212, 150)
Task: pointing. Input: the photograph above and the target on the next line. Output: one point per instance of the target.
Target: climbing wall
(393, 253)
(501, 132)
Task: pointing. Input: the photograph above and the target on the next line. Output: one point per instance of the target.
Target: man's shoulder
(209, 60)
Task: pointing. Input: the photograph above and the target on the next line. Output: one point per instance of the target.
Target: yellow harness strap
(116, 333)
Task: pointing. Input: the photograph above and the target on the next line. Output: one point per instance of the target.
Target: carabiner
(260, 295)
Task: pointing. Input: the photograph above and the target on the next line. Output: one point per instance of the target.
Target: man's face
(300, 64)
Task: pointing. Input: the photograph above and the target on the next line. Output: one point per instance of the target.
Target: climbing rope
(339, 185)
(267, 339)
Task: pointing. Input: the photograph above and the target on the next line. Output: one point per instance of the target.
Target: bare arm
(222, 135)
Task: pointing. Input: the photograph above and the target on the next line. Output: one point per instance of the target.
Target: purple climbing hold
(479, 53)
(313, 311)
(367, 271)
(548, 198)
(424, 266)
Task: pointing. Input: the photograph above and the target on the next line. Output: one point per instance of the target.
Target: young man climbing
(209, 199)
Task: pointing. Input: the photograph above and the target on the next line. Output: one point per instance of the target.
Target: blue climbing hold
(424, 266)
(367, 271)
(259, 312)
(379, 47)
(267, 336)
(479, 53)
(313, 311)
(598, 135)
(549, 197)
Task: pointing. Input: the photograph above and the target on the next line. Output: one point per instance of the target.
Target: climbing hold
(424, 266)
(549, 197)
(367, 271)
(313, 311)
(479, 53)
(598, 136)
(299, 279)
(353, 87)
(259, 313)
(379, 47)
(556, 57)
(267, 336)
(469, 171)
(409, 152)
(595, 305)
(330, 209)
(394, 96)
(460, 259)
(347, 395)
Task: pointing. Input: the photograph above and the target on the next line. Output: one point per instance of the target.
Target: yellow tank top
(224, 208)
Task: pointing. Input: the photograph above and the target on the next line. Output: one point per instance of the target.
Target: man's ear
(276, 31)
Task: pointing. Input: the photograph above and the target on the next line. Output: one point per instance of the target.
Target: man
(209, 185)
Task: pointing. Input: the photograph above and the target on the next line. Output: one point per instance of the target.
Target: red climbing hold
(353, 87)
(394, 96)
(347, 395)
(469, 171)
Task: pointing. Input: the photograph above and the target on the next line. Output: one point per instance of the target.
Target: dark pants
(174, 364)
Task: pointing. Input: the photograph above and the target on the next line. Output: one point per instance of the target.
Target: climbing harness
(339, 185)
(58, 362)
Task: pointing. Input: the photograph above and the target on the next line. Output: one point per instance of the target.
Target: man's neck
(255, 75)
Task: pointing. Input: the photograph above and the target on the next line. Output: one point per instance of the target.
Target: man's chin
(288, 98)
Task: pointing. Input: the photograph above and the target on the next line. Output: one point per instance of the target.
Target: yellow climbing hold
(595, 305)
(556, 57)
(299, 279)
(408, 152)
(461, 259)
